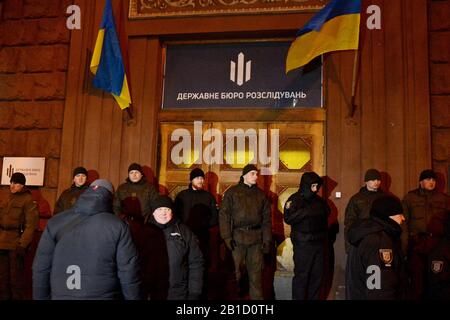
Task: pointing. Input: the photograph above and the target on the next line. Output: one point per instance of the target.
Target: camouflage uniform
(425, 212)
(244, 218)
(134, 200)
(358, 208)
(18, 221)
(68, 198)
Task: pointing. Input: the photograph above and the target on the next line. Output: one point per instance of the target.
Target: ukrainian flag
(107, 64)
(335, 27)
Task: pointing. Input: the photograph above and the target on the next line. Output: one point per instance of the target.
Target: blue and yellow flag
(107, 64)
(335, 27)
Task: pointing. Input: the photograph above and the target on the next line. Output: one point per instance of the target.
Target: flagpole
(121, 35)
(130, 114)
(352, 107)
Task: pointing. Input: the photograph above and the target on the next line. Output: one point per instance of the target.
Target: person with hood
(86, 252)
(246, 228)
(18, 221)
(177, 273)
(359, 205)
(307, 213)
(425, 210)
(439, 266)
(198, 209)
(375, 264)
(69, 196)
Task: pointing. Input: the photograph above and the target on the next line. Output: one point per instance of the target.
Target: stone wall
(34, 52)
(439, 45)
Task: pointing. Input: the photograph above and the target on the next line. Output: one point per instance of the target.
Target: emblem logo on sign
(386, 256)
(238, 70)
(437, 266)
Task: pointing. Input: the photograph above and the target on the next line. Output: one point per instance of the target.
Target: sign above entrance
(238, 75)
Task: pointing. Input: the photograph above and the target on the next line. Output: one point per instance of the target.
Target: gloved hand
(230, 243)
(266, 247)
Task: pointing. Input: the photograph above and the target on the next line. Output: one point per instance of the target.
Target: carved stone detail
(173, 8)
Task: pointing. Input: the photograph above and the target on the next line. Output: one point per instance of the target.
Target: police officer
(18, 220)
(359, 205)
(246, 227)
(307, 213)
(375, 265)
(439, 267)
(425, 210)
(69, 196)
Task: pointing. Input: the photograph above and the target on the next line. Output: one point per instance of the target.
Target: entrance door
(283, 151)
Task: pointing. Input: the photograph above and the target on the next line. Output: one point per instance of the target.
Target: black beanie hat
(79, 170)
(135, 166)
(248, 168)
(18, 177)
(372, 174)
(427, 174)
(162, 201)
(386, 206)
(197, 172)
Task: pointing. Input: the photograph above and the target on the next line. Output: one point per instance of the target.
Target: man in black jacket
(198, 209)
(87, 252)
(183, 256)
(307, 213)
(375, 264)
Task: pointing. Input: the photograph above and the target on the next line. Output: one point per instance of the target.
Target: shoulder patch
(386, 256)
(437, 266)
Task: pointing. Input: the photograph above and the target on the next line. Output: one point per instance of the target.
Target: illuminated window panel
(240, 158)
(176, 189)
(189, 159)
(294, 154)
